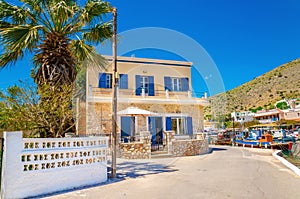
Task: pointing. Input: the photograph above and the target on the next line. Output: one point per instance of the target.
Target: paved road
(228, 172)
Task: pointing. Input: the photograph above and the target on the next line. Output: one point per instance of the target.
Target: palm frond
(16, 14)
(4, 24)
(35, 5)
(94, 9)
(36, 12)
(61, 12)
(67, 2)
(10, 58)
(86, 53)
(99, 33)
(16, 38)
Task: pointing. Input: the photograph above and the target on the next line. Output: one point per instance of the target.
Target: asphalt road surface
(227, 172)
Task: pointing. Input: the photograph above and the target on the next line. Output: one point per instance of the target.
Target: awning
(264, 125)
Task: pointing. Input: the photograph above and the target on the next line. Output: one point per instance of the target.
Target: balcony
(160, 96)
(268, 121)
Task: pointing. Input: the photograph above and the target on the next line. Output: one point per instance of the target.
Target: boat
(267, 140)
(253, 139)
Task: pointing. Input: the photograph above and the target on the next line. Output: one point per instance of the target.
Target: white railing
(267, 121)
(166, 94)
(38, 166)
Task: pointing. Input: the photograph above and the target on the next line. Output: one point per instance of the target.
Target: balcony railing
(131, 93)
(266, 121)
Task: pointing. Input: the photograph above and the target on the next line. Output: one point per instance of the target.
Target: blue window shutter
(151, 86)
(185, 84)
(168, 83)
(189, 125)
(102, 80)
(123, 81)
(138, 89)
(168, 123)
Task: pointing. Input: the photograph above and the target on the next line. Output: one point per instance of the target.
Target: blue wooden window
(102, 80)
(168, 83)
(105, 80)
(185, 84)
(146, 83)
(123, 83)
(151, 86)
(189, 121)
(168, 124)
(176, 83)
(138, 90)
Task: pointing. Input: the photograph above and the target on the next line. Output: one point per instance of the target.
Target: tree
(60, 33)
(282, 105)
(22, 109)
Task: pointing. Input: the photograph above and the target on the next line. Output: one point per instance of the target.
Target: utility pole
(233, 124)
(114, 101)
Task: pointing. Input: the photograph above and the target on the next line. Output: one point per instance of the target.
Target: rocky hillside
(280, 83)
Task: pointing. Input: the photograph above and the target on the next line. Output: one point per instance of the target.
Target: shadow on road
(216, 149)
(134, 169)
(125, 170)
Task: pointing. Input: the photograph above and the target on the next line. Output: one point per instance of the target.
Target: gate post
(11, 167)
(169, 138)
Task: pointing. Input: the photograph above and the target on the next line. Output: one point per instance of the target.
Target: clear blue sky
(245, 38)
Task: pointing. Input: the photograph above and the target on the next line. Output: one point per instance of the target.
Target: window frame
(108, 80)
(176, 84)
(144, 84)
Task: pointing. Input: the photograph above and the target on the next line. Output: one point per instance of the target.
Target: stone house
(162, 87)
(292, 114)
(268, 117)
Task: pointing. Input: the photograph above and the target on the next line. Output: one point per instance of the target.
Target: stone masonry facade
(100, 115)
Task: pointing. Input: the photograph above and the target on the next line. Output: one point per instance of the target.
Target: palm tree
(59, 33)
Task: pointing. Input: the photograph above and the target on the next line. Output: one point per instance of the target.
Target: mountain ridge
(283, 82)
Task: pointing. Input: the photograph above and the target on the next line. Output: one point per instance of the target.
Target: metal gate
(157, 145)
(156, 130)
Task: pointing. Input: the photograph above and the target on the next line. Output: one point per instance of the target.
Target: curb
(295, 169)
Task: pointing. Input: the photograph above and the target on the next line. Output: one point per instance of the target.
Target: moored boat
(267, 140)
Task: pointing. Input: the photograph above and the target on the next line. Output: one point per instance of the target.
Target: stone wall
(135, 150)
(189, 147)
(175, 146)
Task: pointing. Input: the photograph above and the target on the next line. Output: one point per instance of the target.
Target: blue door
(156, 129)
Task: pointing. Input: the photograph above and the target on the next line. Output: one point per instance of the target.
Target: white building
(245, 116)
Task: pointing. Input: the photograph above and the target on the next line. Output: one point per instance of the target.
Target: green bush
(282, 105)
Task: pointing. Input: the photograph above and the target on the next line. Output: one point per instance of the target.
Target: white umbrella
(135, 111)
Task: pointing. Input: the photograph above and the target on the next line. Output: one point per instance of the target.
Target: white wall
(33, 167)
